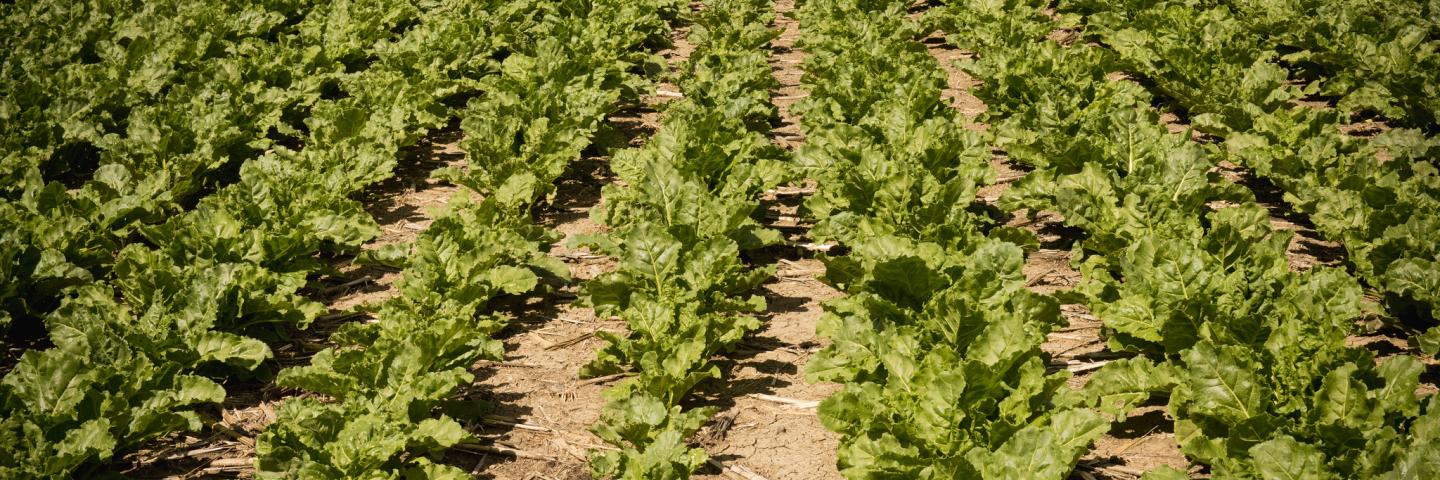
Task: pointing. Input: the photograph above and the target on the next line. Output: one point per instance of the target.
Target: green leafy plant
(230, 143)
(1251, 355)
(393, 383)
(680, 221)
(937, 344)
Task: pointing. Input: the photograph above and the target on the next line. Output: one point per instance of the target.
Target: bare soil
(767, 424)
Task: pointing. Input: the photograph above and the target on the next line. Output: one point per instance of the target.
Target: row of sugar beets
(170, 289)
(937, 343)
(134, 125)
(679, 223)
(392, 386)
(1185, 271)
(1377, 196)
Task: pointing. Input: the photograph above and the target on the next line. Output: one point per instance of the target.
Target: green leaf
(512, 280)
(1224, 382)
(517, 190)
(1124, 384)
(1043, 449)
(1283, 458)
(1165, 472)
(243, 352)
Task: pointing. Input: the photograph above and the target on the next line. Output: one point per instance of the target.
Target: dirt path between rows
(767, 423)
(543, 409)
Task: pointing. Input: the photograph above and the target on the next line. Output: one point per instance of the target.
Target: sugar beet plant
(679, 226)
(393, 383)
(938, 342)
(1185, 270)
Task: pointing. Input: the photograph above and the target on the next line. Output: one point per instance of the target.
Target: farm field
(741, 239)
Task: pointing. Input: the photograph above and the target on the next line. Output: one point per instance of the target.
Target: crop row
(390, 386)
(937, 343)
(117, 121)
(281, 115)
(1371, 60)
(1384, 213)
(1183, 269)
(220, 166)
(680, 221)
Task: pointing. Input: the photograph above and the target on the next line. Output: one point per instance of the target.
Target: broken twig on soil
(738, 470)
(803, 404)
(607, 378)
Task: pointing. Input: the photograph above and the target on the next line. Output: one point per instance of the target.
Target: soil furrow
(537, 386)
(759, 427)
